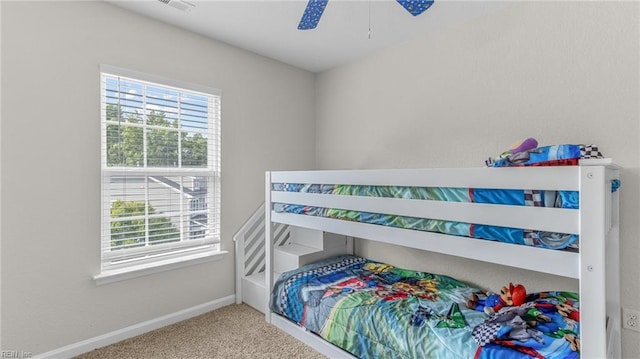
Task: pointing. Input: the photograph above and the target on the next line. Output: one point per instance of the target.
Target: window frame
(165, 254)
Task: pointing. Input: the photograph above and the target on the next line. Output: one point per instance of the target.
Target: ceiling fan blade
(312, 14)
(415, 7)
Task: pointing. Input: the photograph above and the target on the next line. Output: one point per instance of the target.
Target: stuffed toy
(518, 147)
(513, 295)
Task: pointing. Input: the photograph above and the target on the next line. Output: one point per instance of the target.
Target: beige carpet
(235, 331)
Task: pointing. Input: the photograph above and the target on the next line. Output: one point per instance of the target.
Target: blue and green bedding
(375, 310)
(556, 155)
(562, 199)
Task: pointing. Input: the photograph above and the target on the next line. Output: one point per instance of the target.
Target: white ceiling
(269, 27)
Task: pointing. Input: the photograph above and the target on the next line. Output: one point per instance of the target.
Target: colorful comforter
(562, 199)
(375, 310)
(556, 155)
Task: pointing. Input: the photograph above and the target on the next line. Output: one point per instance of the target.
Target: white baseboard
(88, 345)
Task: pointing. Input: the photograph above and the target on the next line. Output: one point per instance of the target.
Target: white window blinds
(160, 168)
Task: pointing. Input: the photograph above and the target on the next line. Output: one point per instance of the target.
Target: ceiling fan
(315, 8)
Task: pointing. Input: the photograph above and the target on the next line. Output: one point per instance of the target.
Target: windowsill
(116, 275)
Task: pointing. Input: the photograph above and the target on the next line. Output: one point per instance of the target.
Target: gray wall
(562, 72)
(50, 148)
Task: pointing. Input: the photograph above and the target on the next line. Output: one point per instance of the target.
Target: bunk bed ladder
(250, 258)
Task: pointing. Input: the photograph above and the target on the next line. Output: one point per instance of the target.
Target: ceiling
(269, 27)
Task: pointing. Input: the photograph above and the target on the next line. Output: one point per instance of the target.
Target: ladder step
(292, 256)
(315, 238)
(256, 279)
(294, 249)
(253, 291)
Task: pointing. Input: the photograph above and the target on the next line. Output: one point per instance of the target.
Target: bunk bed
(587, 226)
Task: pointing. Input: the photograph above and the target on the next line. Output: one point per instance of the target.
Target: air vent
(179, 4)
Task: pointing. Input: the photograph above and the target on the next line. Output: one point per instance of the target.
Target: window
(160, 169)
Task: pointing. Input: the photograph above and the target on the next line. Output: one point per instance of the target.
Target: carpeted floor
(235, 331)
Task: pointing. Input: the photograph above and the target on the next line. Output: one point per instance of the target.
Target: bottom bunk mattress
(375, 310)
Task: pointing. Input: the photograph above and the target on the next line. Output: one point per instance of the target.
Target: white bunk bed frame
(597, 223)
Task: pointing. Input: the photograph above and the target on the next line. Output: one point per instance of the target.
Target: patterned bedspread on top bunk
(564, 154)
(375, 310)
(562, 199)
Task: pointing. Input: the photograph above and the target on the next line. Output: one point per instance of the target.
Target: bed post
(612, 259)
(268, 246)
(614, 330)
(595, 195)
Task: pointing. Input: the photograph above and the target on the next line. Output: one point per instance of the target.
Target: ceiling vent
(179, 4)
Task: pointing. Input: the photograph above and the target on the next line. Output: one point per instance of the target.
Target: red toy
(514, 295)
